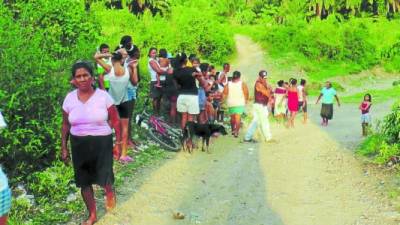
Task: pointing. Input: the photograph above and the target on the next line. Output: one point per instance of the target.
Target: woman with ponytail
(119, 80)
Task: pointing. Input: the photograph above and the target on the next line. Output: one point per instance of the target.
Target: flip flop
(125, 159)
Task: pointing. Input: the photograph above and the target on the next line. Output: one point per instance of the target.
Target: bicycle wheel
(167, 141)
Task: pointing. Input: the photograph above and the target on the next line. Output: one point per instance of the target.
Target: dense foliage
(339, 44)
(38, 43)
(384, 146)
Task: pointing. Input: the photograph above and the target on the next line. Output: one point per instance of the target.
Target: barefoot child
(365, 116)
(210, 112)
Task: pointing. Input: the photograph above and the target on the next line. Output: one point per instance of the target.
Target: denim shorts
(366, 118)
(132, 92)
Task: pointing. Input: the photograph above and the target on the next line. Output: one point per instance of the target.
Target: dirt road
(306, 178)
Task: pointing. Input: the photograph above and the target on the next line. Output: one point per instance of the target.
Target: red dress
(293, 101)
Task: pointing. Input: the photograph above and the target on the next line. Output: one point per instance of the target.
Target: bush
(384, 145)
(332, 47)
(391, 125)
(183, 29)
(55, 197)
(371, 146)
(38, 42)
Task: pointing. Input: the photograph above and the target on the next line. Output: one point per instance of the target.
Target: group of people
(104, 98)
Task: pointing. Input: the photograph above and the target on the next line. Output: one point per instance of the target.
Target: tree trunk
(317, 10)
(375, 7)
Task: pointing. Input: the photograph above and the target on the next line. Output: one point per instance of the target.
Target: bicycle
(159, 130)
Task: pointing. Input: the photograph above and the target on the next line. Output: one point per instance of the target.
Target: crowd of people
(104, 99)
(182, 88)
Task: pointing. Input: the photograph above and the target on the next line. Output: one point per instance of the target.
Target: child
(210, 112)
(165, 64)
(280, 102)
(365, 116)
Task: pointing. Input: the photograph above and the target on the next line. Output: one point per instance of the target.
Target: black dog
(205, 131)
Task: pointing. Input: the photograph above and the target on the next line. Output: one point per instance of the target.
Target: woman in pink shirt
(86, 112)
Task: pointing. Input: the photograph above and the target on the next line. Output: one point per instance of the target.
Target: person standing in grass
(236, 94)
(5, 198)
(120, 78)
(365, 106)
(303, 99)
(104, 82)
(328, 94)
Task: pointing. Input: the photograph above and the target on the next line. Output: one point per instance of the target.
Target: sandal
(126, 159)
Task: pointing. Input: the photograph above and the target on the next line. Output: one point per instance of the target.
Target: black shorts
(92, 159)
(302, 108)
(125, 109)
(157, 92)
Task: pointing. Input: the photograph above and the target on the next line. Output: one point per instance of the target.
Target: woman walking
(86, 112)
(293, 102)
(236, 94)
(328, 93)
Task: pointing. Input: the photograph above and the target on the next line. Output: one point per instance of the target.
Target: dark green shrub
(38, 43)
(391, 125)
(371, 146)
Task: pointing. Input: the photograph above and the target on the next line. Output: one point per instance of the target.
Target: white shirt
(235, 94)
(153, 73)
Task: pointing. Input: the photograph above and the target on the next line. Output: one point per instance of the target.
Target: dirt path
(306, 179)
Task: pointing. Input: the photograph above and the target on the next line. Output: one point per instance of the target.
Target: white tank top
(300, 91)
(153, 74)
(235, 94)
(119, 86)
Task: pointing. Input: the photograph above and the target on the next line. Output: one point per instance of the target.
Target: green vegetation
(378, 95)
(39, 40)
(327, 38)
(384, 146)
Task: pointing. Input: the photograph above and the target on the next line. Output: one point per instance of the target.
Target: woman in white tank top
(156, 92)
(119, 80)
(236, 94)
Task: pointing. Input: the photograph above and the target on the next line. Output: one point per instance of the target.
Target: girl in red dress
(293, 102)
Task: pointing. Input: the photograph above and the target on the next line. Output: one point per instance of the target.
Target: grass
(377, 95)
(151, 154)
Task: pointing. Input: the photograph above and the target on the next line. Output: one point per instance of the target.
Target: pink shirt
(89, 118)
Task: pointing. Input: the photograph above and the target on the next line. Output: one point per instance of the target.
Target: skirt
(92, 160)
(236, 110)
(327, 111)
(5, 201)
